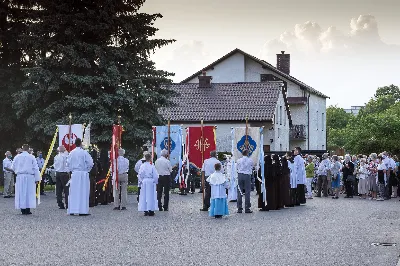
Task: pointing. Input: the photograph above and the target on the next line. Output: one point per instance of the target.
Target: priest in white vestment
(80, 163)
(27, 171)
(148, 179)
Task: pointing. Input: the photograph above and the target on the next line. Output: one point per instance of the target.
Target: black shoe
(42, 194)
(240, 211)
(204, 209)
(28, 213)
(165, 209)
(116, 209)
(264, 210)
(146, 213)
(151, 213)
(233, 201)
(123, 209)
(7, 197)
(84, 214)
(218, 216)
(248, 211)
(200, 191)
(318, 196)
(160, 209)
(72, 214)
(61, 207)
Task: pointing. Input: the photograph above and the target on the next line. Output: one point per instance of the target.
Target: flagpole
(202, 158)
(169, 136)
(70, 132)
(246, 143)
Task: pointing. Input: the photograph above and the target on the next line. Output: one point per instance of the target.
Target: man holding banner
(245, 170)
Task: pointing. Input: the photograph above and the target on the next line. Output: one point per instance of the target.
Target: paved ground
(323, 232)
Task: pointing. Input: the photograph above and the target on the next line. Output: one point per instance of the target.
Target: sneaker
(380, 199)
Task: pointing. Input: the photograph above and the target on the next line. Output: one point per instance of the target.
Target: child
(218, 183)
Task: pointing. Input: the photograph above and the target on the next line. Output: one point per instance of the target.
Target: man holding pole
(121, 188)
(207, 169)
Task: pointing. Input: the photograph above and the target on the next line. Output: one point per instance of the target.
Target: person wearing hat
(137, 167)
(8, 175)
(323, 172)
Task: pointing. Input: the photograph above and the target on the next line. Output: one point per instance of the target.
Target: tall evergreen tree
(94, 63)
(14, 19)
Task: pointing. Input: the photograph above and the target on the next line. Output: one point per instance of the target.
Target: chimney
(283, 62)
(204, 80)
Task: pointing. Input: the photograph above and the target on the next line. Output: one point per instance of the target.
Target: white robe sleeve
(88, 161)
(140, 175)
(36, 170)
(155, 175)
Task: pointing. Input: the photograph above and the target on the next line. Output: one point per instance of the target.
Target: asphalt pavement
(322, 232)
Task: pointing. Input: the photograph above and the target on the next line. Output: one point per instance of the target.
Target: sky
(343, 48)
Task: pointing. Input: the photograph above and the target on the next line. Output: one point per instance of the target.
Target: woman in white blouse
(363, 179)
(381, 178)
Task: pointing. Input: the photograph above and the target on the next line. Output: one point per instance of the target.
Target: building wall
(238, 68)
(281, 126)
(228, 71)
(317, 132)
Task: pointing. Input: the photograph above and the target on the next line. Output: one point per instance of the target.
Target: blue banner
(175, 150)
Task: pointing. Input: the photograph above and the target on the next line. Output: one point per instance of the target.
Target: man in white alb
(148, 179)
(80, 163)
(123, 168)
(207, 169)
(137, 167)
(62, 176)
(27, 171)
(164, 169)
(8, 175)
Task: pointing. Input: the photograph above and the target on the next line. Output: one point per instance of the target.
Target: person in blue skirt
(219, 183)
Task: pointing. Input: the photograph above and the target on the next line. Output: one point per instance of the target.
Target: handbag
(351, 178)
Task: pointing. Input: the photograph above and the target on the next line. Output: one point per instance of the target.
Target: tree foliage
(91, 59)
(376, 128)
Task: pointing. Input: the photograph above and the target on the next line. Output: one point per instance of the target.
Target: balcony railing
(297, 132)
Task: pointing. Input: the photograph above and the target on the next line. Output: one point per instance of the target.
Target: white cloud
(309, 38)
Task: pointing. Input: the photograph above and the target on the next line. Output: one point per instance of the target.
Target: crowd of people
(288, 181)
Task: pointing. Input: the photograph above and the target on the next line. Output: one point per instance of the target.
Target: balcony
(297, 100)
(297, 132)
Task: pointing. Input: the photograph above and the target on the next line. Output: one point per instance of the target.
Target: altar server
(8, 175)
(219, 184)
(300, 174)
(80, 163)
(148, 179)
(27, 171)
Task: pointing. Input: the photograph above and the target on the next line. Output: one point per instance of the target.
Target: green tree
(14, 19)
(336, 122)
(92, 60)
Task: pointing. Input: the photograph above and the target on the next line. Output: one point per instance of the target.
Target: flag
(116, 144)
(251, 143)
(64, 138)
(86, 137)
(196, 146)
(175, 141)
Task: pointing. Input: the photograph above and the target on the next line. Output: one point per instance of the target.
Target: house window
(317, 120)
(280, 115)
(280, 147)
(284, 119)
(323, 147)
(323, 122)
(277, 114)
(279, 132)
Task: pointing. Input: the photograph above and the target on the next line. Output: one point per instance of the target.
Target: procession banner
(251, 143)
(86, 137)
(64, 138)
(116, 144)
(53, 142)
(196, 146)
(175, 144)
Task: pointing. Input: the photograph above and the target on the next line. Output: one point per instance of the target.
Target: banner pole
(169, 137)
(70, 132)
(202, 158)
(246, 143)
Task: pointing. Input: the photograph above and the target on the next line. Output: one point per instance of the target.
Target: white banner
(253, 143)
(63, 135)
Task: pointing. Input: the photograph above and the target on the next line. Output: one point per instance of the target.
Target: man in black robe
(277, 176)
(270, 184)
(93, 176)
(285, 184)
(104, 196)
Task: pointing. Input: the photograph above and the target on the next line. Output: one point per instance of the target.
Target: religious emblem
(164, 144)
(247, 144)
(66, 141)
(200, 145)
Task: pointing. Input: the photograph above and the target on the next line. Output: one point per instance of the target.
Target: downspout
(308, 122)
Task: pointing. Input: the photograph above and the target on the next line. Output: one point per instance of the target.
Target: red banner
(116, 144)
(200, 141)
